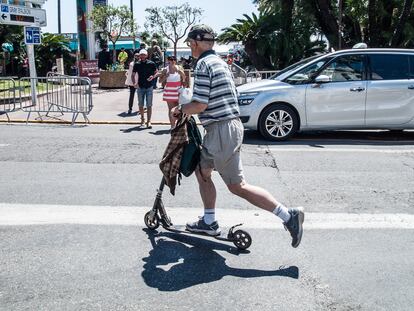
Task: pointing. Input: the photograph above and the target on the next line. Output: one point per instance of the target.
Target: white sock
(282, 212)
(209, 215)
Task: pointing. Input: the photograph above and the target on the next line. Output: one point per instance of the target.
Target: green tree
(282, 34)
(112, 22)
(13, 35)
(51, 47)
(172, 22)
(379, 23)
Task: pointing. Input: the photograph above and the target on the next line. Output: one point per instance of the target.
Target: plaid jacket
(171, 160)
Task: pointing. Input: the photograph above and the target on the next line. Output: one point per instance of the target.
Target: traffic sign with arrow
(22, 16)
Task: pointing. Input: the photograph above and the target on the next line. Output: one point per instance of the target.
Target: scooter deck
(182, 229)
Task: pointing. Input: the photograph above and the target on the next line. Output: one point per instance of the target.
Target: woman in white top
(175, 79)
(128, 82)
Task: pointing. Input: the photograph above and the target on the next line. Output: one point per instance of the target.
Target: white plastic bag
(186, 94)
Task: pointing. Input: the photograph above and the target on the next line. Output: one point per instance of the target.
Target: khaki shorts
(221, 150)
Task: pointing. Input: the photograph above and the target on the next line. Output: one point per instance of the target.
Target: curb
(83, 122)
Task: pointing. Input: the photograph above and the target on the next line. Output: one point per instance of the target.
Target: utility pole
(59, 19)
(131, 6)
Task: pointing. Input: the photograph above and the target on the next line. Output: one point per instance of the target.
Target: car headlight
(247, 98)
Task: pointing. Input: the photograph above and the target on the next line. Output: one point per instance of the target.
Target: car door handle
(411, 87)
(357, 89)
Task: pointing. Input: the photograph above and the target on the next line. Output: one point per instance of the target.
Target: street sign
(32, 35)
(22, 16)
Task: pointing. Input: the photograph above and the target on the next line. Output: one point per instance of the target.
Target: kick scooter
(240, 238)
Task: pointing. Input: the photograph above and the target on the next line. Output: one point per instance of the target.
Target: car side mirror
(322, 79)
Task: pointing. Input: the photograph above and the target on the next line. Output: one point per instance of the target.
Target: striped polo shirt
(214, 86)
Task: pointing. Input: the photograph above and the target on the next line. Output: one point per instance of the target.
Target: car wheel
(278, 122)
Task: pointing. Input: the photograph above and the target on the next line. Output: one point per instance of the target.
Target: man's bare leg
(207, 224)
(207, 189)
(255, 195)
(141, 112)
(293, 218)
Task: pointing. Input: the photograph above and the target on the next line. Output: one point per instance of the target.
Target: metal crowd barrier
(253, 76)
(56, 94)
(241, 76)
(8, 99)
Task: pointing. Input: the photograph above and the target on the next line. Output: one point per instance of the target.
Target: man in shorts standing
(146, 70)
(215, 101)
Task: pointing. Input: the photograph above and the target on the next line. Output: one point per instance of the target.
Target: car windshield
(306, 74)
(293, 67)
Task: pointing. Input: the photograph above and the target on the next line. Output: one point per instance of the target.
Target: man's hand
(175, 114)
(150, 78)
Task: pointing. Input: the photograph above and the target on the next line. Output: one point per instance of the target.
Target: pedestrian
(175, 79)
(230, 59)
(215, 101)
(142, 46)
(104, 58)
(155, 55)
(146, 70)
(132, 85)
(122, 57)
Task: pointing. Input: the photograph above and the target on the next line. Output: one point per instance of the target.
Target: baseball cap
(143, 52)
(201, 32)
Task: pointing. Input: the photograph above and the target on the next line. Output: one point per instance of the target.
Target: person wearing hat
(216, 104)
(146, 70)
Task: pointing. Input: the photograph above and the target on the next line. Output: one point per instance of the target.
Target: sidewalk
(110, 106)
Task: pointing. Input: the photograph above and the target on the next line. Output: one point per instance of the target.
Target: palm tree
(274, 39)
(249, 31)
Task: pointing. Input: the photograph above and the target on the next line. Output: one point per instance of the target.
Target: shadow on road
(320, 138)
(134, 129)
(160, 132)
(189, 261)
(126, 115)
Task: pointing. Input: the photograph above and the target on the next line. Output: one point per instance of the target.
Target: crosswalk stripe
(42, 214)
(328, 149)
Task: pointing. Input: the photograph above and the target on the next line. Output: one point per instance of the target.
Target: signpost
(22, 16)
(26, 16)
(32, 35)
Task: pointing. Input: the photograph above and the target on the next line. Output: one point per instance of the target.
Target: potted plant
(113, 77)
(112, 22)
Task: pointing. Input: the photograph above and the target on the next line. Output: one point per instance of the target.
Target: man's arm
(154, 75)
(193, 108)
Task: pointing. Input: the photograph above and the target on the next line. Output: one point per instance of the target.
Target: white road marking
(328, 149)
(30, 214)
(4, 145)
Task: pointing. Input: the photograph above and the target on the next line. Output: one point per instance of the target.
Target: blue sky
(217, 13)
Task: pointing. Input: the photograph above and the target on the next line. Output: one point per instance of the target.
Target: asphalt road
(72, 235)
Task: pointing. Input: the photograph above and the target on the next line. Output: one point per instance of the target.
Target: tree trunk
(372, 29)
(287, 21)
(399, 28)
(113, 53)
(175, 48)
(327, 20)
(255, 58)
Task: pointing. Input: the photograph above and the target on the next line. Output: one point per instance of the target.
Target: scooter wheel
(151, 223)
(242, 239)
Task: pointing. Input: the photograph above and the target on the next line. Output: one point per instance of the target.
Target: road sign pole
(33, 74)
